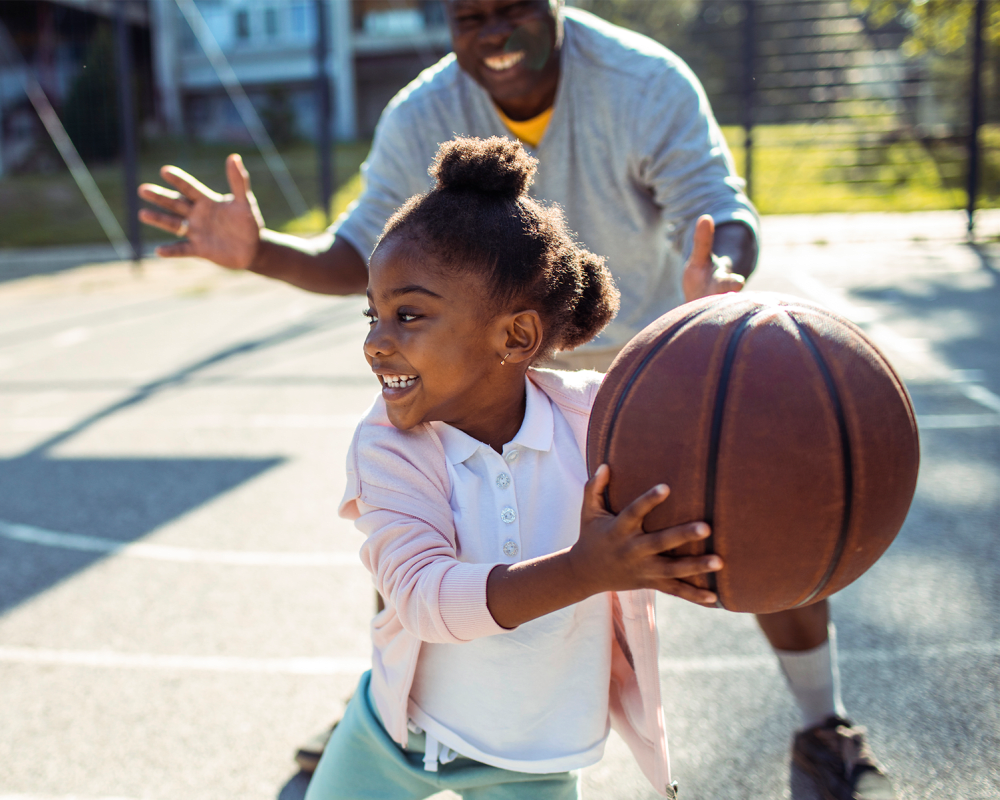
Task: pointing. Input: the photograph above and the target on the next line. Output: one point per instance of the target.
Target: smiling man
(628, 146)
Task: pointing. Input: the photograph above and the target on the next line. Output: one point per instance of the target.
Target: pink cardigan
(398, 493)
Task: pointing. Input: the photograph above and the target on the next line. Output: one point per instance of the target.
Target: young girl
(517, 629)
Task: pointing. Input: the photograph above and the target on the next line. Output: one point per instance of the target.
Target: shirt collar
(536, 430)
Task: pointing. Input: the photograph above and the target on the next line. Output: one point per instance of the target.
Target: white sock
(814, 679)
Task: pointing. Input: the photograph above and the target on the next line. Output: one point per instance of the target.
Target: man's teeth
(399, 381)
(506, 61)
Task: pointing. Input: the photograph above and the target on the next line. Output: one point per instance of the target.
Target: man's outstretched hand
(224, 228)
(705, 273)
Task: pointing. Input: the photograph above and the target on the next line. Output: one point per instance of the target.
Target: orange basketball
(776, 421)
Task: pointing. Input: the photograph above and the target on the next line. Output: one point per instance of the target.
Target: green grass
(50, 210)
(797, 169)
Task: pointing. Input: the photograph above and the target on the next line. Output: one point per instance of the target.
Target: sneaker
(308, 756)
(835, 755)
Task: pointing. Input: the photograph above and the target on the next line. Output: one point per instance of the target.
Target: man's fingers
(704, 238)
(167, 199)
(165, 222)
(238, 177)
(188, 185)
(175, 250)
(662, 541)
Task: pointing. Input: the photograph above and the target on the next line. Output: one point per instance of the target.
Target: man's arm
(229, 230)
(325, 265)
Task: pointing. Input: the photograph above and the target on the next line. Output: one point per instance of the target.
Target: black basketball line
(671, 332)
(711, 468)
(845, 445)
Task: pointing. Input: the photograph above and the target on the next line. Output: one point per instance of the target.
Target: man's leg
(829, 748)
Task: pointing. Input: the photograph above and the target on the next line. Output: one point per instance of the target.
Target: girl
(517, 629)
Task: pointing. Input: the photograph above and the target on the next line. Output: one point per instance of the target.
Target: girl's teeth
(399, 381)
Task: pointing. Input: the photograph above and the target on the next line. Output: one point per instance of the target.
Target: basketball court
(180, 605)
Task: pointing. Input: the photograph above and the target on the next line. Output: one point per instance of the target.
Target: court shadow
(295, 788)
(120, 500)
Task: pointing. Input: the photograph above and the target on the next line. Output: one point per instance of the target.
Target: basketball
(777, 422)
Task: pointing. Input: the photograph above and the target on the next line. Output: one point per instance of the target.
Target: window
(271, 22)
(242, 20)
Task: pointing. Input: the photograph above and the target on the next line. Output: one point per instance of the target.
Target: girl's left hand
(614, 553)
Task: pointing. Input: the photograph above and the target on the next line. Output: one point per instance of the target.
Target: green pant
(362, 762)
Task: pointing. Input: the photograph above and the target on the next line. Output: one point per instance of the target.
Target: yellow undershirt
(530, 131)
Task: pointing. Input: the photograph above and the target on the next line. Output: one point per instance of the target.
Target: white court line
(200, 422)
(356, 665)
(109, 659)
(917, 349)
(161, 552)
(887, 656)
(957, 421)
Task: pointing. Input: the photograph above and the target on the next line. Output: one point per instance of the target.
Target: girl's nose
(376, 343)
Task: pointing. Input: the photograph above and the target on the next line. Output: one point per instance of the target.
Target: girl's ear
(521, 337)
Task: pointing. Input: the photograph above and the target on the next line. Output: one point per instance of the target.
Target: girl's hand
(613, 553)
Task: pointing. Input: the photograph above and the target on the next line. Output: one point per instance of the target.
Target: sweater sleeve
(686, 161)
(437, 597)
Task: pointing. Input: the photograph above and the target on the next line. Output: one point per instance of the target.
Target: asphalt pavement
(180, 605)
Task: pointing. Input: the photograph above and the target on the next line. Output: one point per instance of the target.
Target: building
(375, 48)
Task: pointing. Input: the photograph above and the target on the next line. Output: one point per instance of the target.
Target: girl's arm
(613, 553)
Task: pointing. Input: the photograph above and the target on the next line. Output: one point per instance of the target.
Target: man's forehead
(455, 6)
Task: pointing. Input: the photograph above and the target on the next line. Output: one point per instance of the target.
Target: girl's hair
(480, 219)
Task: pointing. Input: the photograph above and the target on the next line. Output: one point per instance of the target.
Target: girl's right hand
(614, 553)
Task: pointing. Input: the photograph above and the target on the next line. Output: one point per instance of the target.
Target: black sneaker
(835, 755)
(308, 756)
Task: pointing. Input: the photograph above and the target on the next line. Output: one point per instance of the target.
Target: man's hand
(224, 228)
(706, 273)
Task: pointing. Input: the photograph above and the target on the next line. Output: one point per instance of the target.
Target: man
(628, 146)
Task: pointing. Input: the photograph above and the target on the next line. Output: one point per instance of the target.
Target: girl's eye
(370, 315)
(407, 317)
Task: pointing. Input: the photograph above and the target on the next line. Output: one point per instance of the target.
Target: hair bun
(494, 166)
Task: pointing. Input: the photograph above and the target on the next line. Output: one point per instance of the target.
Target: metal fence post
(975, 112)
(748, 87)
(126, 113)
(323, 140)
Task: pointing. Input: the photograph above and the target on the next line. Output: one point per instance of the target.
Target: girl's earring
(504, 359)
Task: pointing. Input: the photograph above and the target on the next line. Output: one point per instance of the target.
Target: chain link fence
(829, 105)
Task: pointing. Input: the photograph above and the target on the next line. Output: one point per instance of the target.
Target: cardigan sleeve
(437, 597)
(398, 495)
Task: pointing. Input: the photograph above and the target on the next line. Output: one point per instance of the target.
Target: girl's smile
(436, 348)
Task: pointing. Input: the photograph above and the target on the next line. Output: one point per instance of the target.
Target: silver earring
(504, 359)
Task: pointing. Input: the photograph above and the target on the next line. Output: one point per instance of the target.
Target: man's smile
(503, 61)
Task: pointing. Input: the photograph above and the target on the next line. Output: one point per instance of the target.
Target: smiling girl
(518, 628)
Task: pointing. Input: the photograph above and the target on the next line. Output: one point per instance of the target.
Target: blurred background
(180, 605)
(828, 105)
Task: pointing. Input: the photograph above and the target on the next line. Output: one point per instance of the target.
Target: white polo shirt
(534, 699)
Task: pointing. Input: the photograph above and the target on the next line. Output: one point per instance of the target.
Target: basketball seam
(671, 332)
(715, 439)
(848, 469)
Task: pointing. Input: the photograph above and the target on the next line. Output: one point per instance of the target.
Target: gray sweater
(632, 153)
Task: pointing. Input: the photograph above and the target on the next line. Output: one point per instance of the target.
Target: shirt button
(503, 480)
(511, 456)
(510, 548)
(508, 515)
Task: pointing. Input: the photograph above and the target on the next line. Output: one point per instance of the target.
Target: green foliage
(90, 111)
(935, 26)
(667, 22)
